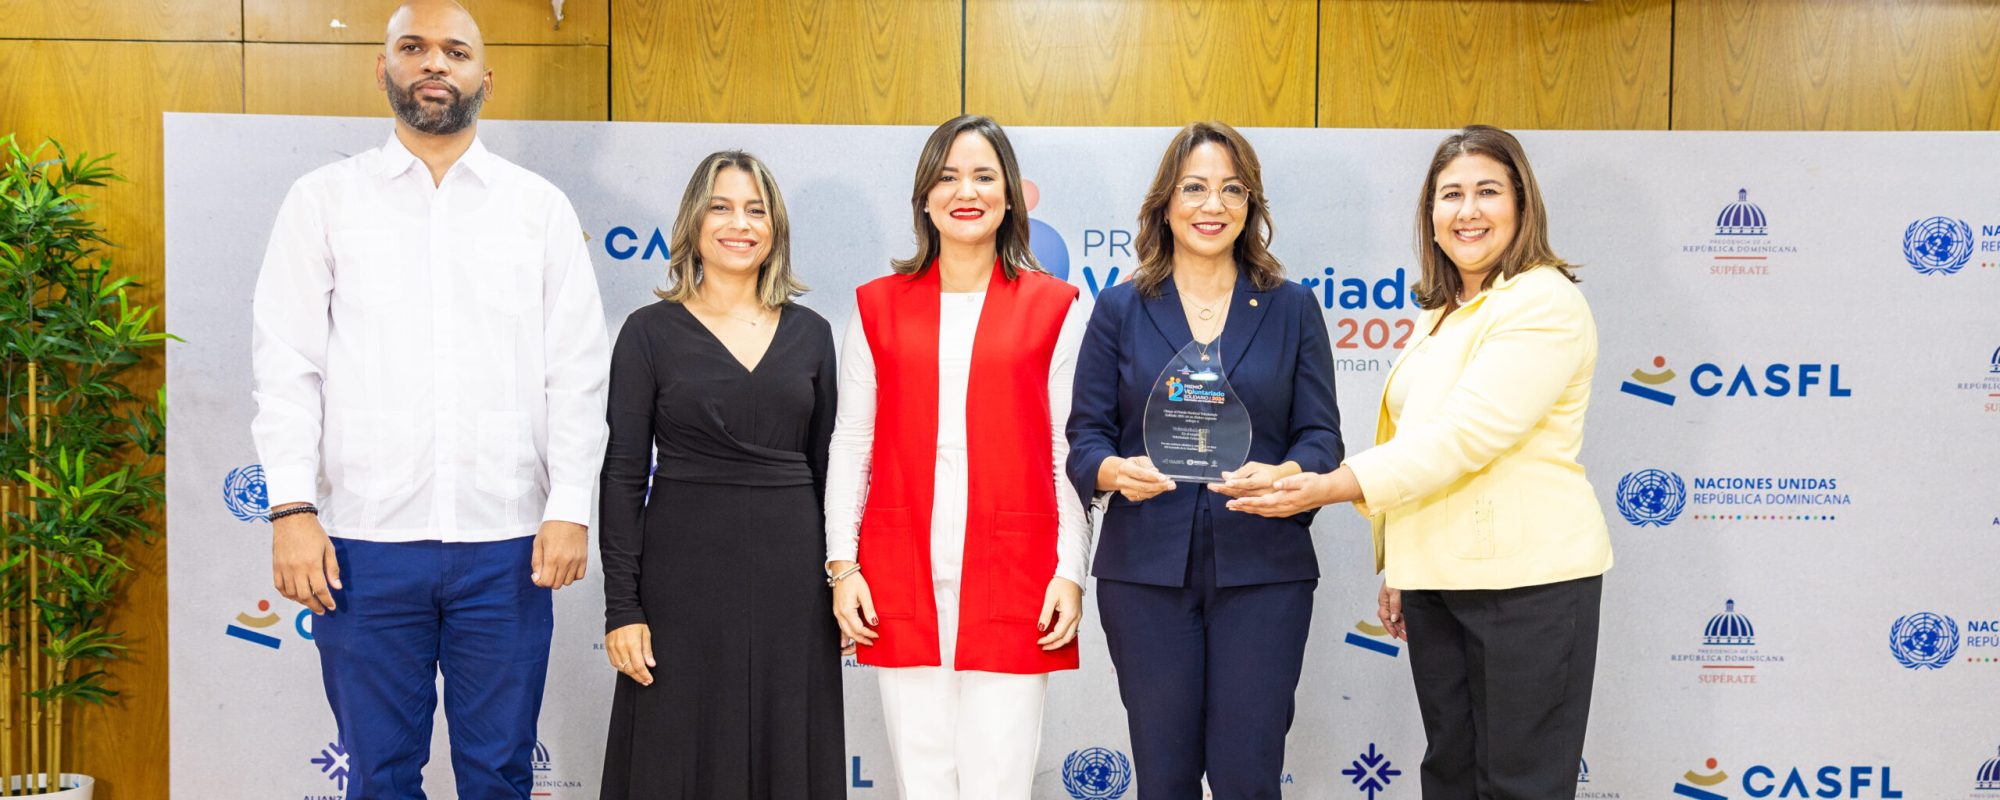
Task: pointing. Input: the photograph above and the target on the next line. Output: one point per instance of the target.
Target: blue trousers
(410, 610)
(1207, 674)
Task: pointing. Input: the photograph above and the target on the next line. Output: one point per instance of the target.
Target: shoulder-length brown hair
(1156, 237)
(1013, 244)
(775, 284)
(1439, 283)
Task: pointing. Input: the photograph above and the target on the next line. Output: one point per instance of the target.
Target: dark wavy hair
(1015, 256)
(1156, 237)
(1439, 283)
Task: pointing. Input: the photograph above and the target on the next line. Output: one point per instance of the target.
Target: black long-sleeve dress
(723, 561)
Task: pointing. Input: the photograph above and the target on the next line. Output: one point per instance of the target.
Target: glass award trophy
(1196, 427)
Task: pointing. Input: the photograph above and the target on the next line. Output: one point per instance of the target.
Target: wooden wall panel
(529, 81)
(364, 21)
(818, 61)
(1853, 65)
(121, 19)
(1512, 63)
(1056, 62)
(107, 97)
(1735, 64)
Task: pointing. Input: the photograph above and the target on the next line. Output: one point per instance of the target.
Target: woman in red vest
(955, 545)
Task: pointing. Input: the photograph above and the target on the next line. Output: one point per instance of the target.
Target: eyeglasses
(1196, 194)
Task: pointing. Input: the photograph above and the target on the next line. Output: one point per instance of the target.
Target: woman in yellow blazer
(1491, 541)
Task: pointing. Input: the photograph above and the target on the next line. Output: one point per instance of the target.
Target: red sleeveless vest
(1010, 529)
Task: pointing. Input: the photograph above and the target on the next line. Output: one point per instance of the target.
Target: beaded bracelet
(307, 509)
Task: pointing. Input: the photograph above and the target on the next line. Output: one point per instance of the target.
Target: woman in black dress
(734, 385)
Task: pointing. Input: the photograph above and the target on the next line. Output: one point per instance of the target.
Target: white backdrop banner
(1795, 433)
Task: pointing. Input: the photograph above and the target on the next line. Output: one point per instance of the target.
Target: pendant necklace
(1204, 314)
(754, 323)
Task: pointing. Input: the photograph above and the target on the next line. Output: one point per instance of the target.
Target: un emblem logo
(1924, 640)
(243, 492)
(1651, 497)
(1937, 246)
(1095, 773)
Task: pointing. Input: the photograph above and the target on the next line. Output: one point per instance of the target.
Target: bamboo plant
(80, 479)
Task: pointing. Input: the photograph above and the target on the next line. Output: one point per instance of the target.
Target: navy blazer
(1277, 355)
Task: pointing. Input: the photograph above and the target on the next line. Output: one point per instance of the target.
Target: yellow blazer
(1476, 484)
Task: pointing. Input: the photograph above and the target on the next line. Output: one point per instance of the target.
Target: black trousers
(1503, 680)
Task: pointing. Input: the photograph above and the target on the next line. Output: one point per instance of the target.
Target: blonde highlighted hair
(775, 284)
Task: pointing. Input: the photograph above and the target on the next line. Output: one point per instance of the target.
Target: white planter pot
(74, 786)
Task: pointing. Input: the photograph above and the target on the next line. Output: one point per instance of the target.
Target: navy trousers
(410, 610)
(1207, 675)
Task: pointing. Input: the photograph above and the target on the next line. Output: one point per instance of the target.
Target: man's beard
(437, 120)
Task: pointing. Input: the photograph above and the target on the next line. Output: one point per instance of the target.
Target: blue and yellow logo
(247, 626)
(1372, 637)
(1709, 379)
(262, 628)
(1699, 785)
(1651, 385)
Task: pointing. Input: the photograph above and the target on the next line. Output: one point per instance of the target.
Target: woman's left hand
(1252, 479)
(1064, 602)
(1288, 496)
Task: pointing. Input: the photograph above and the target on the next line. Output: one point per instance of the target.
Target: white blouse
(854, 427)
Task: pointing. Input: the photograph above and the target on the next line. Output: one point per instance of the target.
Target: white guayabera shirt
(430, 360)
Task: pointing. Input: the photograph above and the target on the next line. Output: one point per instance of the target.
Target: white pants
(959, 735)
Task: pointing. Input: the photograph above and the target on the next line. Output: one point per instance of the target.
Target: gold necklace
(754, 323)
(1205, 314)
(1207, 310)
(1203, 346)
(1202, 311)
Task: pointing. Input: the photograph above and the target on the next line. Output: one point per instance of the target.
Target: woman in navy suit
(1205, 609)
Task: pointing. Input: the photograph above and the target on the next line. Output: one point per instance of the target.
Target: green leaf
(64, 305)
(36, 482)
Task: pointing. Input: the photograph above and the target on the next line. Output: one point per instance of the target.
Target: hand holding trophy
(1195, 426)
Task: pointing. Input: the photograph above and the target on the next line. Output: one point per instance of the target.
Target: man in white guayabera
(430, 361)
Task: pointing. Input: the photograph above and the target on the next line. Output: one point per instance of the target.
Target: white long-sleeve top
(854, 428)
(430, 359)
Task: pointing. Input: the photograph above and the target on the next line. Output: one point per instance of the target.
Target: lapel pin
(1253, 301)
